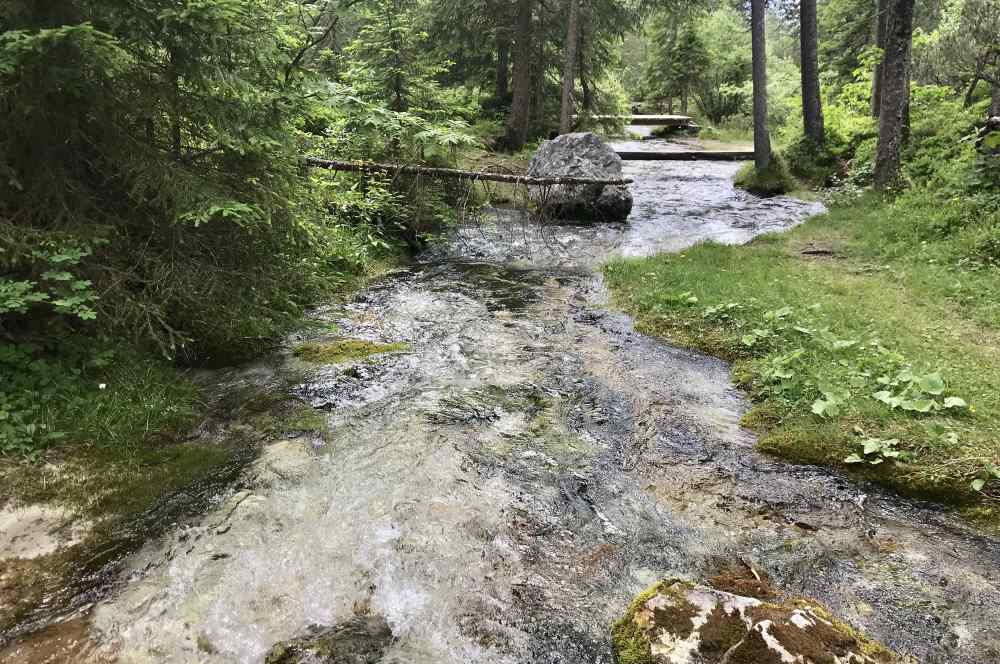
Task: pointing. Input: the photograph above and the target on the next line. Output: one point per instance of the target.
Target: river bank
(830, 324)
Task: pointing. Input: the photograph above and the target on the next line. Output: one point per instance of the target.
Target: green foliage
(876, 451)
(770, 182)
(722, 90)
(678, 59)
(87, 394)
(814, 164)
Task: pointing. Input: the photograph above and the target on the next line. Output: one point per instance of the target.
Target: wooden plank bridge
(674, 121)
(686, 155)
(680, 122)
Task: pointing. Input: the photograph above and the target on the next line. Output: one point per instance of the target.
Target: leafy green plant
(990, 472)
(876, 451)
(917, 393)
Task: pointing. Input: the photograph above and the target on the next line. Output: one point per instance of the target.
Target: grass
(822, 318)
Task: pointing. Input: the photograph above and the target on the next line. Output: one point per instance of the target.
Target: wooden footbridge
(681, 123)
(686, 155)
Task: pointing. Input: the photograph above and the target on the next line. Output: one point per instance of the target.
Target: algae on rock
(361, 640)
(679, 622)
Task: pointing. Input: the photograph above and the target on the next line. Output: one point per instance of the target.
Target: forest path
(501, 489)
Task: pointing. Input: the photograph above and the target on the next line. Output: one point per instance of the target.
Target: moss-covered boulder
(677, 622)
(361, 640)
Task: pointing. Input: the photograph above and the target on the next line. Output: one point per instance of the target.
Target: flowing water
(499, 491)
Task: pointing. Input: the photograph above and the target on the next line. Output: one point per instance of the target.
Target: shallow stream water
(502, 489)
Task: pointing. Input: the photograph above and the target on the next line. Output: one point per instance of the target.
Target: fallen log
(372, 168)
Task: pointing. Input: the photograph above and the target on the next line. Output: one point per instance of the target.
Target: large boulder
(581, 155)
(678, 622)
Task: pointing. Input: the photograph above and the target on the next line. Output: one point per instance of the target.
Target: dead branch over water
(372, 168)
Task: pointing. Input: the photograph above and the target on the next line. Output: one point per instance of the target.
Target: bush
(771, 182)
(816, 165)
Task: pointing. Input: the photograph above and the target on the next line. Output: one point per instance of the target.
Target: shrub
(771, 182)
(816, 165)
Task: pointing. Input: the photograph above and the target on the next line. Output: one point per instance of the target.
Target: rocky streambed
(516, 467)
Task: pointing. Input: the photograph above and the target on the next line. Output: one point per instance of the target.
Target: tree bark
(971, 90)
(812, 103)
(520, 108)
(882, 26)
(995, 103)
(569, 68)
(761, 136)
(895, 93)
(503, 67)
(588, 96)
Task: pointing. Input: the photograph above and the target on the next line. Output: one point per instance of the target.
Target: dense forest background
(156, 212)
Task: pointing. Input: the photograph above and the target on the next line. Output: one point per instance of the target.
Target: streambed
(500, 490)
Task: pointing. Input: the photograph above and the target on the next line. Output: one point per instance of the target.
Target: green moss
(342, 350)
(629, 640)
(724, 635)
(290, 418)
(770, 182)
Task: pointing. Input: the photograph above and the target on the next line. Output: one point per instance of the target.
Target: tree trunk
(895, 93)
(503, 67)
(520, 108)
(970, 92)
(588, 96)
(882, 26)
(569, 69)
(538, 119)
(812, 103)
(761, 136)
(995, 103)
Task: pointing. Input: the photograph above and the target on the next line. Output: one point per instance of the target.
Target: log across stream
(499, 485)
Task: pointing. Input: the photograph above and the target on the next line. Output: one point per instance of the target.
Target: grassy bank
(124, 443)
(866, 339)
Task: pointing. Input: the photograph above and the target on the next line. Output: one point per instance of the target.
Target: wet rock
(678, 622)
(361, 640)
(581, 155)
(34, 531)
(287, 460)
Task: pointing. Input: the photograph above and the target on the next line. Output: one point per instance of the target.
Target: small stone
(361, 640)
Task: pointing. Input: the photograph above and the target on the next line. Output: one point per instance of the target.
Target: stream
(502, 489)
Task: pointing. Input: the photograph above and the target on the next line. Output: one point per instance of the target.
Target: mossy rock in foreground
(678, 622)
(361, 640)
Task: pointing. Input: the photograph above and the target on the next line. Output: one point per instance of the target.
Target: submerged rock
(361, 640)
(678, 622)
(581, 155)
(286, 460)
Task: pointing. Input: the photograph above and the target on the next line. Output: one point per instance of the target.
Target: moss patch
(343, 350)
(628, 637)
(678, 618)
(772, 181)
(362, 639)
